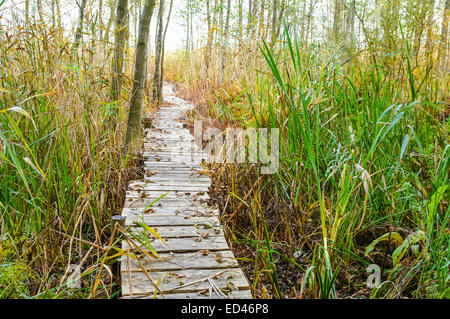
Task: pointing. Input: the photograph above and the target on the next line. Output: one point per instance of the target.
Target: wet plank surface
(194, 260)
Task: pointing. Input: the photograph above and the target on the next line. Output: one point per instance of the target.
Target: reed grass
(364, 152)
(61, 173)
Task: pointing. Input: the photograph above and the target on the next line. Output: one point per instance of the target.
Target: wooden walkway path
(196, 260)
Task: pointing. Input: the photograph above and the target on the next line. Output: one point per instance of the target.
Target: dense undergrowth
(363, 177)
(61, 172)
(364, 167)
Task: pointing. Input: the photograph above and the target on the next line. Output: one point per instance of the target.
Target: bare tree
(224, 44)
(100, 19)
(140, 70)
(79, 32)
(163, 46)
(337, 20)
(119, 49)
(274, 21)
(27, 10)
(112, 17)
(211, 30)
(157, 86)
(240, 18)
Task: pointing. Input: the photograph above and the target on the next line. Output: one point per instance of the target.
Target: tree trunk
(261, 29)
(100, 19)
(188, 29)
(310, 21)
(250, 16)
(279, 24)
(156, 75)
(350, 23)
(53, 13)
(303, 23)
(58, 13)
(240, 21)
(163, 46)
(337, 20)
(211, 32)
(274, 21)
(27, 11)
(135, 113)
(224, 44)
(112, 17)
(39, 9)
(429, 48)
(119, 49)
(79, 32)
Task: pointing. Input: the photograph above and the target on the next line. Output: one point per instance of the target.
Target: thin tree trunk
(211, 32)
(135, 113)
(163, 46)
(188, 16)
(429, 43)
(350, 21)
(137, 13)
(279, 25)
(310, 20)
(261, 19)
(240, 21)
(112, 17)
(224, 40)
(58, 13)
(27, 11)
(53, 13)
(221, 24)
(191, 28)
(274, 21)
(159, 35)
(119, 49)
(39, 9)
(100, 19)
(250, 16)
(337, 17)
(303, 23)
(79, 32)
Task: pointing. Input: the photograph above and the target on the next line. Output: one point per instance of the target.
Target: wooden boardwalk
(196, 261)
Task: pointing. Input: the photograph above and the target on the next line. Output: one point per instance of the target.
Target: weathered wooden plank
(136, 214)
(158, 144)
(202, 195)
(174, 179)
(173, 188)
(188, 211)
(171, 164)
(153, 142)
(176, 171)
(177, 281)
(171, 182)
(165, 202)
(195, 248)
(195, 260)
(167, 137)
(183, 231)
(176, 159)
(189, 166)
(189, 244)
(173, 220)
(164, 150)
(171, 153)
(240, 294)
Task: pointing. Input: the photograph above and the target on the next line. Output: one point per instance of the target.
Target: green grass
(61, 177)
(363, 152)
